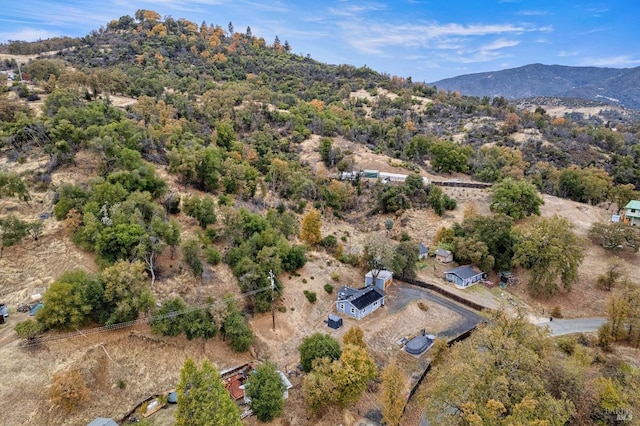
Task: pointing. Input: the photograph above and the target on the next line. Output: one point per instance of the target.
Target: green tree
(393, 394)
(170, 318)
(318, 346)
(237, 331)
(515, 198)
(608, 280)
(13, 230)
(28, 329)
(266, 390)
(448, 157)
(615, 237)
(202, 398)
(550, 251)
(70, 300)
(405, 260)
(191, 250)
(12, 185)
(125, 291)
(310, 228)
(203, 210)
(199, 324)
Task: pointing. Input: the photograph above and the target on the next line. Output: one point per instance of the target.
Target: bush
(328, 288)
(335, 276)
(329, 242)
(567, 344)
(310, 295)
(68, 390)
(556, 312)
(213, 255)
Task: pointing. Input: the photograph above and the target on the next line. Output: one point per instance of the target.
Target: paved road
(558, 327)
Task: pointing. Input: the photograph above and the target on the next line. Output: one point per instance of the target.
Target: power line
(141, 321)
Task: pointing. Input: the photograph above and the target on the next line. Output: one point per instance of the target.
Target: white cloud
(27, 34)
(566, 54)
(612, 61)
(373, 38)
(531, 12)
(499, 44)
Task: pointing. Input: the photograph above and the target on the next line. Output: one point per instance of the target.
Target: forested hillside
(181, 167)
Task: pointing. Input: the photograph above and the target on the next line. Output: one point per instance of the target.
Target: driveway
(407, 293)
(559, 327)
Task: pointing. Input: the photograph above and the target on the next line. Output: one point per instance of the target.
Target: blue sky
(426, 40)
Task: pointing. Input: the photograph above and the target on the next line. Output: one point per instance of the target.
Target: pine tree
(202, 398)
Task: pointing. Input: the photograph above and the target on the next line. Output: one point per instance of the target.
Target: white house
(464, 276)
(358, 303)
(632, 213)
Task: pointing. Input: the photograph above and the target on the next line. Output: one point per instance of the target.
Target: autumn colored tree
(310, 228)
(393, 394)
(354, 336)
(503, 383)
(202, 398)
(68, 390)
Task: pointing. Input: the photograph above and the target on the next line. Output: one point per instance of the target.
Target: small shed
(383, 279)
(423, 251)
(444, 256)
(334, 321)
(464, 276)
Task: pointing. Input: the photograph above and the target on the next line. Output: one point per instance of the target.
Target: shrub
(567, 344)
(328, 288)
(213, 255)
(335, 276)
(310, 295)
(556, 312)
(423, 306)
(329, 242)
(68, 390)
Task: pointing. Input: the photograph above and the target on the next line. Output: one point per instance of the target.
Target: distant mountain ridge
(617, 86)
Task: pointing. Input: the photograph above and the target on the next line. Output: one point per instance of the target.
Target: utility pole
(273, 306)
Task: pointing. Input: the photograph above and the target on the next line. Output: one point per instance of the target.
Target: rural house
(632, 213)
(464, 276)
(383, 278)
(423, 251)
(358, 303)
(444, 256)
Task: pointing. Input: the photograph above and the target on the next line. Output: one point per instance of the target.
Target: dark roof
(345, 293)
(464, 272)
(366, 297)
(422, 249)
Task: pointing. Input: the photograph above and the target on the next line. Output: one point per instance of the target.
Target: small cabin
(380, 279)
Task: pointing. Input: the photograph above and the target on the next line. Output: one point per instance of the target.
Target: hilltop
(613, 86)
